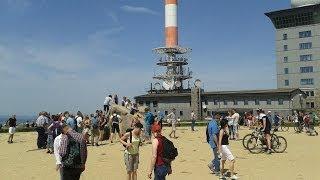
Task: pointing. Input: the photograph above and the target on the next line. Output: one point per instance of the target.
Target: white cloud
(114, 17)
(135, 9)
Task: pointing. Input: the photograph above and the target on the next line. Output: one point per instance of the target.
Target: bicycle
(255, 133)
(258, 144)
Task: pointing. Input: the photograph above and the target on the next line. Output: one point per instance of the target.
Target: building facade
(298, 48)
(283, 101)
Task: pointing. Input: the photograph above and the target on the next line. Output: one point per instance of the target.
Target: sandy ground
(21, 160)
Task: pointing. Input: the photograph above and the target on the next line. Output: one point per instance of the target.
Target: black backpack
(72, 159)
(169, 151)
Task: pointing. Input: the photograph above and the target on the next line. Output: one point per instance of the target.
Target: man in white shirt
(107, 103)
(56, 146)
(235, 116)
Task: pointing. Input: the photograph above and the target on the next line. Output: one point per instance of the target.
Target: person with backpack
(148, 120)
(94, 130)
(224, 150)
(212, 139)
(73, 153)
(131, 140)
(115, 121)
(163, 153)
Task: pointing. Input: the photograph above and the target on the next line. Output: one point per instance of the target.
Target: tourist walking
(235, 117)
(12, 123)
(159, 165)
(230, 125)
(42, 123)
(224, 149)
(173, 120)
(212, 139)
(73, 151)
(148, 120)
(115, 123)
(132, 140)
(107, 103)
(94, 130)
(193, 120)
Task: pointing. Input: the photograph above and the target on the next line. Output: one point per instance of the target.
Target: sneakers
(222, 177)
(234, 177)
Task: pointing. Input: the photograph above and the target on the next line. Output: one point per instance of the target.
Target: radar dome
(300, 3)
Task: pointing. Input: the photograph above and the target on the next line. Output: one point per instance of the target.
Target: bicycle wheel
(284, 128)
(245, 140)
(279, 145)
(254, 145)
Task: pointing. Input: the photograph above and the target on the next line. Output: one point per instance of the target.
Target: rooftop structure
(172, 56)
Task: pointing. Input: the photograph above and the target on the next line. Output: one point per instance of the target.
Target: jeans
(70, 173)
(231, 132)
(216, 161)
(193, 123)
(148, 130)
(160, 172)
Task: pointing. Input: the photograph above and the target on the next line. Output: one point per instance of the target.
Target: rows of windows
(293, 20)
(304, 82)
(307, 69)
(310, 93)
(310, 105)
(245, 102)
(306, 57)
(307, 45)
(302, 34)
(305, 34)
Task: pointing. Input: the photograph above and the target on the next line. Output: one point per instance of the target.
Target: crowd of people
(67, 136)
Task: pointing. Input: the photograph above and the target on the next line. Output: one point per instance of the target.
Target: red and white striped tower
(171, 23)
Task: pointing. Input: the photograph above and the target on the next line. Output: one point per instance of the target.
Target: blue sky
(58, 55)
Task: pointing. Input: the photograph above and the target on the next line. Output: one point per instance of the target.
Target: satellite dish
(168, 85)
(157, 86)
(197, 83)
(178, 84)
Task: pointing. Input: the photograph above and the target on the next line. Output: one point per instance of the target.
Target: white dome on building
(299, 3)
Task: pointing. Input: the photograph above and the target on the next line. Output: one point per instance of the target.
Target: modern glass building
(298, 47)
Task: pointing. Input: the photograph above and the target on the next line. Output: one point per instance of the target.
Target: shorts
(12, 130)
(174, 127)
(131, 161)
(226, 153)
(115, 128)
